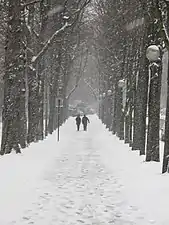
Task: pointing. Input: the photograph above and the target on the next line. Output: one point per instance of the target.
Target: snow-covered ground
(88, 178)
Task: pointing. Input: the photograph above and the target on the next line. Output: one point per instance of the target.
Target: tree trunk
(120, 116)
(46, 106)
(127, 127)
(166, 138)
(152, 153)
(131, 123)
(32, 105)
(115, 109)
(52, 112)
(41, 109)
(139, 133)
(166, 145)
(14, 83)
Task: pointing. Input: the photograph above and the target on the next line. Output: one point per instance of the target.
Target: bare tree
(41, 36)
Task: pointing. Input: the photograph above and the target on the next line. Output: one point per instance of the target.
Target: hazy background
(84, 93)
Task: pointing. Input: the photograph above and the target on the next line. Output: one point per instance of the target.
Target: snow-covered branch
(31, 3)
(163, 28)
(29, 31)
(166, 2)
(92, 89)
(78, 78)
(73, 89)
(49, 43)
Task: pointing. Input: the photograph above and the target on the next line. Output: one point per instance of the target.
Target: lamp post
(152, 149)
(153, 53)
(121, 83)
(120, 110)
(109, 92)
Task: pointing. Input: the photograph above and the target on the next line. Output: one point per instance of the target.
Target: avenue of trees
(43, 51)
(129, 95)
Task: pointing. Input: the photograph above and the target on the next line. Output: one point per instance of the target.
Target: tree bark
(139, 134)
(152, 153)
(166, 145)
(14, 83)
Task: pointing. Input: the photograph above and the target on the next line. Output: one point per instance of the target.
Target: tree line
(42, 55)
(131, 108)
(47, 44)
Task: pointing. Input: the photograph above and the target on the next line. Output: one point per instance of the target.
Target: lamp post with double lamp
(120, 110)
(152, 148)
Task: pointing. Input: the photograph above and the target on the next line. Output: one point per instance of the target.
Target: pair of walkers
(84, 121)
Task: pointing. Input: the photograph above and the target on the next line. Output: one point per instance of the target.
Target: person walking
(85, 121)
(78, 122)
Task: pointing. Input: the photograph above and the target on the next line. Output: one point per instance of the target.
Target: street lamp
(100, 97)
(121, 83)
(109, 92)
(153, 55)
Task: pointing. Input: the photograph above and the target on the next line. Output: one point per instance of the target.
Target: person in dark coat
(78, 122)
(85, 121)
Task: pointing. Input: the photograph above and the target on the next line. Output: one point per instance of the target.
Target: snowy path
(80, 190)
(78, 187)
